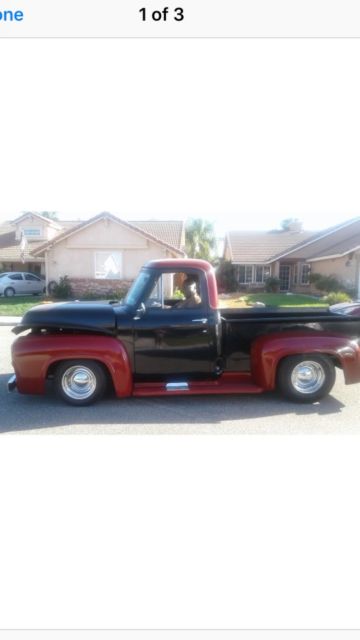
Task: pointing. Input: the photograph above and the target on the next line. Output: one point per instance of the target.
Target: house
(100, 254)
(16, 255)
(292, 254)
(105, 252)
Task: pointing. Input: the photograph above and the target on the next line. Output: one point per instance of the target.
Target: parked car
(21, 283)
(347, 308)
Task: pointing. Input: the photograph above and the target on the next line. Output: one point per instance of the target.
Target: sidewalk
(9, 321)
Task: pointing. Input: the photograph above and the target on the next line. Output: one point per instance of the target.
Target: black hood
(81, 316)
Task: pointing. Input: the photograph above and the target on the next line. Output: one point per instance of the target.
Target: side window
(29, 276)
(174, 291)
(16, 276)
(155, 299)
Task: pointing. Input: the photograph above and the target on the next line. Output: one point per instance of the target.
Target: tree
(291, 223)
(200, 239)
(51, 215)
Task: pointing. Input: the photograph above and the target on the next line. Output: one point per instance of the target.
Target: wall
(75, 256)
(344, 269)
(47, 231)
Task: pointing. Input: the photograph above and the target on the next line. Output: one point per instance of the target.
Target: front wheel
(9, 292)
(80, 382)
(306, 378)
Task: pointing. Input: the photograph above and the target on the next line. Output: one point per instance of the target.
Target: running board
(228, 383)
(177, 386)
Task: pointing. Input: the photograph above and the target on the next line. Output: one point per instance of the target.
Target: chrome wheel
(78, 382)
(308, 377)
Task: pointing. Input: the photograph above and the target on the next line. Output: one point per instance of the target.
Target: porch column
(275, 268)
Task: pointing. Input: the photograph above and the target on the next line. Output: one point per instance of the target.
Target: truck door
(174, 341)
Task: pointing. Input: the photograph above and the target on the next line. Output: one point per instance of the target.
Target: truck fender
(268, 350)
(35, 354)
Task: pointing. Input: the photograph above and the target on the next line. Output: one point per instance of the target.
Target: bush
(337, 296)
(326, 283)
(62, 290)
(118, 293)
(272, 285)
(225, 276)
(178, 294)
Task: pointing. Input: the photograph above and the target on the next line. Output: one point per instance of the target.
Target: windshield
(138, 288)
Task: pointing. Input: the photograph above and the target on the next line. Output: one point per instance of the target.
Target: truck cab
(181, 334)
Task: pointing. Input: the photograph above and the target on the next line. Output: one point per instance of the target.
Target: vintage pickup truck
(151, 343)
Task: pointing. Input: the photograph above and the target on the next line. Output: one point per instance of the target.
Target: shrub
(225, 276)
(178, 294)
(326, 283)
(272, 285)
(117, 294)
(337, 296)
(62, 289)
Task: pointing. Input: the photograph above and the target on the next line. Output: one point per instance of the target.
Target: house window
(32, 232)
(253, 273)
(245, 273)
(295, 274)
(305, 274)
(261, 273)
(108, 265)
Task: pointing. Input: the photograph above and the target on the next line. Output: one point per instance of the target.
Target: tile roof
(169, 231)
(258, 247)
(81, 225)
(335, 241)
(10, 248)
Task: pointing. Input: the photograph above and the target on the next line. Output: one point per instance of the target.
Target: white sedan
(21, 283)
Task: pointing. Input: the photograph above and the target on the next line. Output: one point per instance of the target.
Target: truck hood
(78, 316)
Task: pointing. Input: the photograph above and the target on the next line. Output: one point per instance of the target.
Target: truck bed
(240, 327)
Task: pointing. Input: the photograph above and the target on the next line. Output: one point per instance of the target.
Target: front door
(284, 277)
(172, 338)
(173, 343)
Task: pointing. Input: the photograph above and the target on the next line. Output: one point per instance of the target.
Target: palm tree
(51, 215)
(200, 239)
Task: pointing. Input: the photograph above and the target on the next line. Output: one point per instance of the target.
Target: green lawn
(17, 305)
(237, 300)
(283, 300)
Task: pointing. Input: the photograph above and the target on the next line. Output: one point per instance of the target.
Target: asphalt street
(193, 415)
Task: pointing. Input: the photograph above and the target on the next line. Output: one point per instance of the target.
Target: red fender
(268, 350)
(33, 354)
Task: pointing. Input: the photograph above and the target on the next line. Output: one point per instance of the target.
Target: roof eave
(48, 245)
(334, 256)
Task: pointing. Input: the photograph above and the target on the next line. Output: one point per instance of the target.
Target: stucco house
(291, 256)
(99, 254)
(35, 229)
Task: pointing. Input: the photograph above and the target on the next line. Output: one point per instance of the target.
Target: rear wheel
(80, 382)
(306, 378)
(9, 292)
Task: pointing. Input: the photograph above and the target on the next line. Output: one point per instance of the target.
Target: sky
(243, 133)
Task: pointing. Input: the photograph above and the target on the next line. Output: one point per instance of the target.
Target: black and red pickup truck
(153, 343)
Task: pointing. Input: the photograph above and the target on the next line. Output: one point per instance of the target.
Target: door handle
(202, 320)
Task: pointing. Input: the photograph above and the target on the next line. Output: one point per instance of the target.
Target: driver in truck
(192, 298)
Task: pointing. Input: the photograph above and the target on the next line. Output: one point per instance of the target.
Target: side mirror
(140, 311)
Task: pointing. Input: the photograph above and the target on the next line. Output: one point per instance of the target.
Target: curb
(9, 321)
